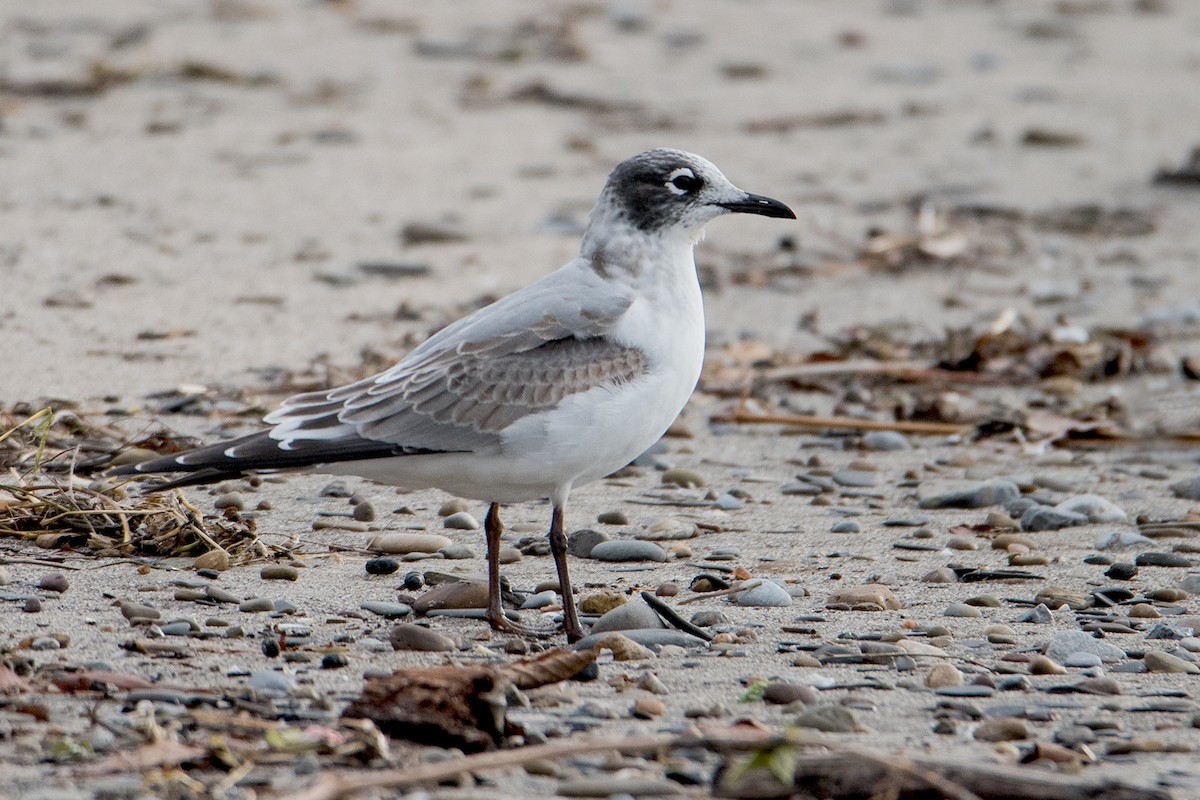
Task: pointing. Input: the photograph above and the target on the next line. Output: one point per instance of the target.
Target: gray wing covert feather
(479, 375)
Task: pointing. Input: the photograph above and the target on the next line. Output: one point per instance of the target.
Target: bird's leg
(558, 549)
(495, 609)
(492, 530)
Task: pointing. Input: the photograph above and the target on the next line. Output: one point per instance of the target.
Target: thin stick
(744, 417)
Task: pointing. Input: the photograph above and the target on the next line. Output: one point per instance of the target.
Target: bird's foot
(502, 624)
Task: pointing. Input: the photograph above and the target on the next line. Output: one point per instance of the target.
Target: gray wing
(454, 393)
(468, 382)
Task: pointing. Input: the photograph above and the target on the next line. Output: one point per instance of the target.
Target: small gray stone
(763, 594)
(613, 518)
(1122, 540)
(1159, 661)
(886, 441)
(708, 618)
(783, 693)
(962, 610)
(457, 552)
(728, 502)
(541, 599)
(461, 521)
(581, 543)
(630, 616)
(388, 610)
(1080, 659)
(269, 683)
(1066, 643)
(1188, 489)
(628, 550)
(1094, 507)
(256, 605)
(980, 495)
(827, 719)
(232, 500)
(407, 636)
(1049, 518)
(1038, 615)
(1163, 560)
(53, 582)
(846, 526)
(855, 478)
(279, 572)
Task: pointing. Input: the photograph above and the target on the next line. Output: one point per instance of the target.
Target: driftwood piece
(849, 776)
(459, 706)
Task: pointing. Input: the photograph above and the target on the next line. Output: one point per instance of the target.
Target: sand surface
(189, 192)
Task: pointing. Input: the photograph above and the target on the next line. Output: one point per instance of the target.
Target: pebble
(403, 543)
(279, 572)
(364, 511)
(1159, 661)
(1049, 518)
(708, 618)
(1122, 540)
(581, 542)
(334, 661)
(1066, 643)
(670, 530)
(827, 719)
(457, 552)
(940, 575)
(1038, 615)
(962, 610)
(613, 518)
(782, 693)
(648, 708)
(255, 605)
(381, 566)
(940, 675)
(667, 589)
(983, 601)
(601, 602)
(1094, 507)
(1144, 611)
(654, 637)
(541, 600)
(855, 478)
(1121, 571)
(407, 636)
(389, 610)
(961, 543)
(1040, 665)
(508, 555)
(870, 597)
(762, 593)
(1188, 489)
(1083, 660)
(461, 521)
(1002, 729)
(452, 506)
(53, 582)
(846, 526)
(886, 441)
(269, 683)
(1163, 560)
(132, 611)
(630, 616)
(680, 476)
(460, 594)
(233, 500)
(217, 560)
(978, 495)
(628, 550)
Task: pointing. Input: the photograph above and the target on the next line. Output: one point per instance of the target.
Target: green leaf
(754, 692)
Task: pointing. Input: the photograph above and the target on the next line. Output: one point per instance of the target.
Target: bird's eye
(683, 181)
(687, 183)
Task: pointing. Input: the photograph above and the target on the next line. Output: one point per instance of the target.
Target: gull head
(664, 192)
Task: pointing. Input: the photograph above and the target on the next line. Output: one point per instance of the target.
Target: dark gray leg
(558, 549)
